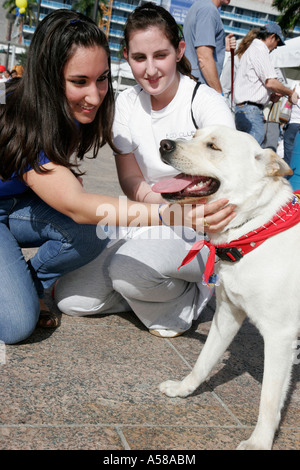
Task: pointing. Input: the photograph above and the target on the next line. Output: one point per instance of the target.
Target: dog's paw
(174, 388)
(250, 444)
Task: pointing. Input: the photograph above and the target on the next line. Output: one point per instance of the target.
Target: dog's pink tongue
(172, 185)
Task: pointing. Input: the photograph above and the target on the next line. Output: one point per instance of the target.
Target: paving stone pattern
(92, 384)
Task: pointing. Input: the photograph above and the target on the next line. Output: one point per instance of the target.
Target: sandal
(48, 319)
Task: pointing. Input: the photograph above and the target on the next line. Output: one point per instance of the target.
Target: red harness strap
(288, 216)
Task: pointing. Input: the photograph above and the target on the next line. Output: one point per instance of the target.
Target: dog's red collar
(288, 216)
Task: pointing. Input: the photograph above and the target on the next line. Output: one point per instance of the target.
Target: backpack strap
(193, 96)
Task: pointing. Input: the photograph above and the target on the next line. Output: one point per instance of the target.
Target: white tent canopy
(288, 55)
(122, 76)
(121, 69)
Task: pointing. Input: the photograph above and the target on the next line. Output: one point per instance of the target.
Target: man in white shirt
(256, 83)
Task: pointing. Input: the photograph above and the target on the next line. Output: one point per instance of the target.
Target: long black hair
(36, 116)
(149, 14)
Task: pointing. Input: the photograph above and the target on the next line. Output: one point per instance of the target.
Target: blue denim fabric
(289, 139)
(295, 163)
(63, 246)
(250, 119)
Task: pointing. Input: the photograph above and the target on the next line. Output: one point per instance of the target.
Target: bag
(274, 112)
(285, 113)
(286, 110)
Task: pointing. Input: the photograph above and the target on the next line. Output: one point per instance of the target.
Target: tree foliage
(87, 8)
(29, 15)
(290, 13)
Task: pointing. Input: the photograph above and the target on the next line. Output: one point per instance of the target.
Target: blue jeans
(295, 163)
(250, 119)
(64, 245)
(289, 139)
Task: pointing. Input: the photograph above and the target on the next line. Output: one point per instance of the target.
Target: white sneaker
(166, 333)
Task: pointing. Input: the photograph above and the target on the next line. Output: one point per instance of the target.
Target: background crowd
(259, 90)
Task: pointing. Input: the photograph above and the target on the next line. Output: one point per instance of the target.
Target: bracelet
(159, 215)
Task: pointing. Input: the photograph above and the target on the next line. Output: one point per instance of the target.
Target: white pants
(141, 274)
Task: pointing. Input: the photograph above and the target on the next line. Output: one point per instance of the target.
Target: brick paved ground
(92, 384)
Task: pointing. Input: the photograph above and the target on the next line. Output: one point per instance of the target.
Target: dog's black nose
(166, 148)
(167, 145)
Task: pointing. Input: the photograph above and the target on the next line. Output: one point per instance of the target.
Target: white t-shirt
(139, 129)
(254, 70)
(295, 114)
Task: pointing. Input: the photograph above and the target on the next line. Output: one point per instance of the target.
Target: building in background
(242, 15)
(46, 7)
(238, 17)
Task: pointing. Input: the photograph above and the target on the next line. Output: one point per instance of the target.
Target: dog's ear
(275, 165)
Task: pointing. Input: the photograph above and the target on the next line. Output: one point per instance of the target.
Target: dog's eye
(212, 146)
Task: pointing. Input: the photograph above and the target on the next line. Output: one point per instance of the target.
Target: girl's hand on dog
(202, 217)
(213, 216)
(217, 215)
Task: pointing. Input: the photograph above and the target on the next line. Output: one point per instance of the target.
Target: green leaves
(290, 13)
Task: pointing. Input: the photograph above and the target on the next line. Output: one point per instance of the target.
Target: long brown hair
(149, 14)
(37, 116)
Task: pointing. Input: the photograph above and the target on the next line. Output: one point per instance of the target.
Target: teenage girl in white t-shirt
(139, 271)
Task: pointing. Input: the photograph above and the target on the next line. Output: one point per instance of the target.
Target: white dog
(258, 273)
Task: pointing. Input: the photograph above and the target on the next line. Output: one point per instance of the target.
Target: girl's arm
(61, 190)
(132, 180)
